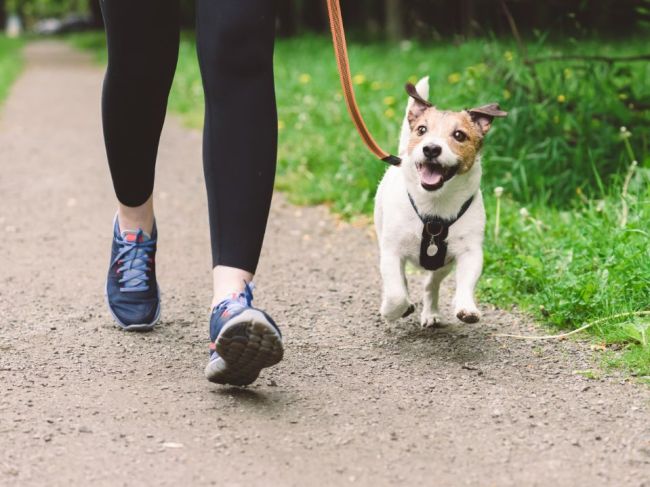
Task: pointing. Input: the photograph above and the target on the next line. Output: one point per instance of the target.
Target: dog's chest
(411, 241)
(422, 249)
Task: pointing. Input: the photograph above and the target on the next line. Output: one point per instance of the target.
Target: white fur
(399, 230)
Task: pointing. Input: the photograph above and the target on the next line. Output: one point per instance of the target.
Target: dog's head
(442, 145)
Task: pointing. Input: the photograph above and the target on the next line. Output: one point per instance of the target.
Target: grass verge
(11, 63)
(572, 267)
(561, 253)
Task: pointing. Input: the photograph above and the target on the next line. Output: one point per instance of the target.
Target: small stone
(171, 444)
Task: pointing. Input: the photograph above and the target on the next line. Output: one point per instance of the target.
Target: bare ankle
(228, 281)
(136, 217)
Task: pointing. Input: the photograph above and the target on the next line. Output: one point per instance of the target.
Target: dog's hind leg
(395, 302)
(430, 316)
(468, 270)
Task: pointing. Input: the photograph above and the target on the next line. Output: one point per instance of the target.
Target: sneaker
(132, 291)
(244, 340)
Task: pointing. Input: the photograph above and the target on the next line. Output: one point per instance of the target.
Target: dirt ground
(354, 402)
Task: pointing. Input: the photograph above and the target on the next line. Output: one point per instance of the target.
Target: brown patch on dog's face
(443, 144)
(461, 134)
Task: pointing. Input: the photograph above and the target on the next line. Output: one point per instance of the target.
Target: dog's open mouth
(433, 175)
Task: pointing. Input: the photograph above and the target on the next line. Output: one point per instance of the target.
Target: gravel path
(354, 402)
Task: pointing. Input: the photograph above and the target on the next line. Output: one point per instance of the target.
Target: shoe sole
(246, 345)
(136, 326)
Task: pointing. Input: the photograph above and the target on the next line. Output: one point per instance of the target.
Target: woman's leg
(235, 45)
(142, 39)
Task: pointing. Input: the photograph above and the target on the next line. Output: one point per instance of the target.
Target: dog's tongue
(430, 174)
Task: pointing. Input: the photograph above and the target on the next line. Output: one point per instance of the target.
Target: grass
(574, 267)
(10, 63)
(559, 154)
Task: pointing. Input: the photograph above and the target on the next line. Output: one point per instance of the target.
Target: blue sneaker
(244, 340)
(132, 291)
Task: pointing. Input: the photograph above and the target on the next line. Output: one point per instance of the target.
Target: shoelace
(244, 298)
(134, 259)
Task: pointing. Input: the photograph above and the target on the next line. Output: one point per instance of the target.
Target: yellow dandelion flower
(304, 78)
(389, 113)
(453, 78)
(375, 86)
(561, 98)
(508, 56)
(506, 94)
(389, 100)
(359, 79)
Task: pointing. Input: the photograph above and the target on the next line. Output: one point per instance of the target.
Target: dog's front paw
(429, 319)
(393, 309)
(468, 315)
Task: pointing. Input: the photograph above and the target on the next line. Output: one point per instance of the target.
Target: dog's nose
(431, 151)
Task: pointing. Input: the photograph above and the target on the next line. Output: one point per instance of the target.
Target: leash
(343, 64)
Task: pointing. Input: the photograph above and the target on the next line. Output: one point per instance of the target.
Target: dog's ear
(418, 106)
(483, 116)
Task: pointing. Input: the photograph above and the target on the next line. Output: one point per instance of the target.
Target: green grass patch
(573, 267)
(559, 154)
(11, 63)
(94, 42)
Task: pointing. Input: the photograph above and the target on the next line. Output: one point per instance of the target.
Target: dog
(429, 209)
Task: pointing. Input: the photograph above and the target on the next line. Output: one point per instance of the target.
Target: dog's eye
(460, 136)
(421, 130)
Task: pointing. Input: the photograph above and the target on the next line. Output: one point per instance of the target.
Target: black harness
(433, 246)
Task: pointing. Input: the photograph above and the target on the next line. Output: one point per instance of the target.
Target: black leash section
(433, 246)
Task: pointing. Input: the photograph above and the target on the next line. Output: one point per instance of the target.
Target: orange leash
(341, 54)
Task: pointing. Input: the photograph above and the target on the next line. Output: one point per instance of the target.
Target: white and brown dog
(429, 210)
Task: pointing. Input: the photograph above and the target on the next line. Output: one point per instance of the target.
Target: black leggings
(235, 48)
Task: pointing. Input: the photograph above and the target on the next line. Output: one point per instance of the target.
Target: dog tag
(432, 250)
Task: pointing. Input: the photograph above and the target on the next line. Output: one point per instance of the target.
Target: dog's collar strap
(433, 246)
